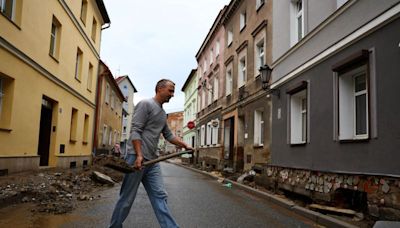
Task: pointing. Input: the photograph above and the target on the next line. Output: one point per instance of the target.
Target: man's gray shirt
(148, 122)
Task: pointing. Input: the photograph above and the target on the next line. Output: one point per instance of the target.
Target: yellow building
(108, 112)
(49, 57)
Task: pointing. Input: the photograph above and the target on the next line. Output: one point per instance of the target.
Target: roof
(107, 73)
(103, 11)
(192, 73)
(121, 78)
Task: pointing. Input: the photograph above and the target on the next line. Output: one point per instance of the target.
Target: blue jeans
(151, 178)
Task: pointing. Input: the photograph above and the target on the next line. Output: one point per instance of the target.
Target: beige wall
(25, 61)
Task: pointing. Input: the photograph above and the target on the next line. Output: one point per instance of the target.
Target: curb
(317, 217)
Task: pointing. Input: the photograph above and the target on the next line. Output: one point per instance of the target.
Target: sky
(151, 40)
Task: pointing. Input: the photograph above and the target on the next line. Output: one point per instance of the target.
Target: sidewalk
(317, 217)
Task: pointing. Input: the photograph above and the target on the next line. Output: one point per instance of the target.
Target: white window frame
(202, 135)
(259, 128)
(53, 39)
(3, 8)
(205, 66)
(347, 104)
(259, 55)
(209, 89)
(229, 80)
(243, 20)
(229, 38)
(203, 98)
(299, 117)
(211, 57)
(78, 64)
(216, 88)
(242, 69)
(214, 139)
(259, 3)
(110, 136)
(296, 13)
(217, 47)
(209, 134)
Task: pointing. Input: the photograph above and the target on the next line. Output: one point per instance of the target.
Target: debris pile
(55, 190)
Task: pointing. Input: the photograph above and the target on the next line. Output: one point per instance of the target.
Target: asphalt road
(194, 199)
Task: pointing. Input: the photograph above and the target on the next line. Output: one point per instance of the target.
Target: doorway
(45, 131)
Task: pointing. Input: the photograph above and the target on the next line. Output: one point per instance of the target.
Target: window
(107, 95)
(215, 89)
(243, 19)
(205, 66)
(339, 3)
(229, 37)
(209, 133)
(6, 100)
(297, 21)
(78, 65)
(259, 3)
(242, 72)
(74, 123)
(104, 134)
(94, 29)
(55, 38)
(90, 77)
(260, 56)
(353, 104)
(211, 56)
(7, 7)
(258, 128)
(214, 129)
(202, 136)
(298, 117)
(229, 83)
(217, 48)
(110, 134)
(203, 98)
(86, 129)
(84, 11)
(112, 100)
(209, 93)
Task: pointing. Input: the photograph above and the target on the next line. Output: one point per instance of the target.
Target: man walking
(149, 120)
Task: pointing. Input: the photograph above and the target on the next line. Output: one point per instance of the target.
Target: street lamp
(265, 72)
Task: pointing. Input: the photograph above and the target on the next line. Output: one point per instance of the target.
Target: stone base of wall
(73, 161)
(18, 164)
(209, 162)
(382, 193)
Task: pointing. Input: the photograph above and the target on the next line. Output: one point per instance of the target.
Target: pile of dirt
(54, 190)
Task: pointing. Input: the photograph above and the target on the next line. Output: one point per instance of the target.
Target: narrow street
(195, 201)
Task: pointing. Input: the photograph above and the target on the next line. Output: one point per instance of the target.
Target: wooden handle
(163, 158)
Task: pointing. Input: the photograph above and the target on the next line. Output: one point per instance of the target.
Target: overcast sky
(150, 40)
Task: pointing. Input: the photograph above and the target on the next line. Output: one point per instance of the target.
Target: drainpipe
(97, 109)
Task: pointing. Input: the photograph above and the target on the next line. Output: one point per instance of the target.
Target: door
(229, 130)
(45, 132)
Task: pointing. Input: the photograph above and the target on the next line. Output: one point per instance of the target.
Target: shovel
(120, 165)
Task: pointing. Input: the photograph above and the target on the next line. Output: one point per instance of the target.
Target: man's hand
(138, 163)
(187, 147)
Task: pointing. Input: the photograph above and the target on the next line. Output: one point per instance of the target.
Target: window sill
(54, 58)
(73, 141)
(241, 30)
(298, 144)
(258, 146)
(354, 140)
(230, 44)
(78, 79)
(89, 90)
(259, 7)
(84, 143)
(5, 129)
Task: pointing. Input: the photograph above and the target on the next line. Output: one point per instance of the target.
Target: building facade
(334, 125)
(128, 90)
(48, 73)
(245, 106)
(190, 110)
(175, 123)
(108, 112)
(211, 81)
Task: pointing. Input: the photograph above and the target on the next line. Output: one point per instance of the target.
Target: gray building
(334, 88)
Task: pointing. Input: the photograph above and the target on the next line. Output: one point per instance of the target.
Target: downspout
(97, 113)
